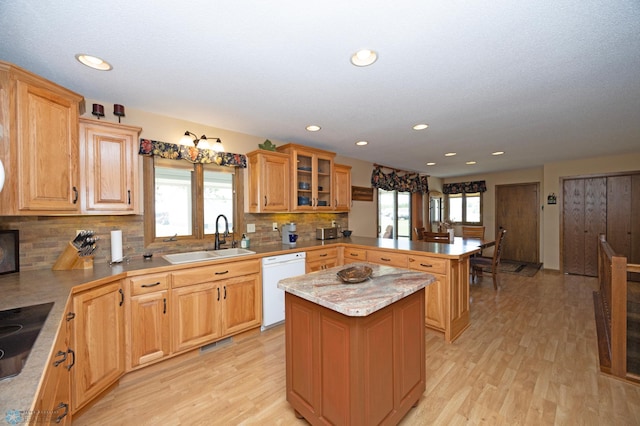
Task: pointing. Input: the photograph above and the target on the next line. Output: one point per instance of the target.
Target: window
(394, 214)
(465, 209)
(183, 200)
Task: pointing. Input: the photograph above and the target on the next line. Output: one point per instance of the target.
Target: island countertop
(386, 286)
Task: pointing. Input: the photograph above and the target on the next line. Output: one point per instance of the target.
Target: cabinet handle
(73, 359)
(385, 259)
(225, 292)
(129, 196)
(75, 195)
(221, 273)
(353, 255)
(70, 316)
(150, 285)
(60, 361)
(121, 296)
(218, 293)
(164, 309)
(63, 415)
(324, 255)
(265, 201)
(426, 265)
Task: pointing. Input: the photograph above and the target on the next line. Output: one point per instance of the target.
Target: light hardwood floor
(529, 357)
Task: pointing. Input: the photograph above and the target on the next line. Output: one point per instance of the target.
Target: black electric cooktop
(19, 329)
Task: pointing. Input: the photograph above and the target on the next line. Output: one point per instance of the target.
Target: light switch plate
(251, 227)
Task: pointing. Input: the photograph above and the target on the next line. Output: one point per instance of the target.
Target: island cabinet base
(347, 370)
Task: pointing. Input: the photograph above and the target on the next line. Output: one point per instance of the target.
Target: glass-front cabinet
(312, 183)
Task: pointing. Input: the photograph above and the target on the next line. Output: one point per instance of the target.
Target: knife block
(70, 259)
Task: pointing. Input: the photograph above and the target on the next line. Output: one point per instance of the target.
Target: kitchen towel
(116, 245)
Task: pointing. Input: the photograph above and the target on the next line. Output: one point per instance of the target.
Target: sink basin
(199, 256)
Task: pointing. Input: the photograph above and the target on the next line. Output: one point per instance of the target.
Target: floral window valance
(399, 180)
(192, 154)
(464, 187)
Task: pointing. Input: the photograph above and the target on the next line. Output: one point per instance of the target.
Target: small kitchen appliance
(288, 229)
(326, 233)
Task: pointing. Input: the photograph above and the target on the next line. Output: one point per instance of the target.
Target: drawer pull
(354, 254)
(73, 359)
(426, 265)
(222, 273)
(61, 406)
(150, 285)
(60, 361)
(324, 255)
(385, 259)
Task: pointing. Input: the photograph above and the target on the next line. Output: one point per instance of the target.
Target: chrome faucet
(217, 242)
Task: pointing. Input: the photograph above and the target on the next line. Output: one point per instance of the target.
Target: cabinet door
(242, 307)
(269, 182)
(195, 315)
(98, 341)
(320, 264)
(53, 402)
(150, 328)
(47, 144)
(435, 303)
(313, 181)
(342, 188)
(109, 172)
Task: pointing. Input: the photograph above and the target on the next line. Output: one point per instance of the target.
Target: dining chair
(473, 232)
(436, 237)
(478, 263)
(419, 233)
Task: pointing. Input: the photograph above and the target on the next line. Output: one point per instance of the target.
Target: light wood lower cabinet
(98, 341)
(352, 255)
(435, 303)
(321, 259)
(53, 403)
(212, 302)
(149, 326)
(387, 258)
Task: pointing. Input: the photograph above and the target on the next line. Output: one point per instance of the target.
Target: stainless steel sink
(199, 256)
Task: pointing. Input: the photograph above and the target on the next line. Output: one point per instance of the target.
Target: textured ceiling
(543, 81)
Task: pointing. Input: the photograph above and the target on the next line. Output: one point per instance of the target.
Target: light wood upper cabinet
(342, 187)
(109, 167)
(313, 174)
(98, 341)
(269, 182)
(38, 144)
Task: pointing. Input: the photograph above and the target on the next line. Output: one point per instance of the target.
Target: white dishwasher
(274, 269)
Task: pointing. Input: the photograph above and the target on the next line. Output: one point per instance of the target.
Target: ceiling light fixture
(497, 153)
(470, 163)
(188, 141)
(362, 143)
(94, 62)
(420, 126)
(313, 128)
(364, 58)
(450, 154)
(431, 164)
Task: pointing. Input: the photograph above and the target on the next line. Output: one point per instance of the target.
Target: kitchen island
(355, 353)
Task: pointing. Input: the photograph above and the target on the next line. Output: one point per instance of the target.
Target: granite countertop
(386, 286)
(33, 287)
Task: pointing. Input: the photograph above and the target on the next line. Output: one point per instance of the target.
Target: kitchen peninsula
(355, 352)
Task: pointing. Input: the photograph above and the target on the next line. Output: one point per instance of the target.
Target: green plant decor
(267, 145)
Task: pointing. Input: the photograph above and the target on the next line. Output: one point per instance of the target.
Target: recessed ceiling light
(431, 164)
(313, 128)
(364, 57)
(470, 163)
(497, 153)
(420, 126)
(362, 143)
(93, 62)
(450, 154)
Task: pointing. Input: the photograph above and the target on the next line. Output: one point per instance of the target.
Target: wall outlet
(275, 226)
(333, 223)
(251, 227)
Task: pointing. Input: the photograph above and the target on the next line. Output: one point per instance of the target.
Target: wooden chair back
(419, 233)
(473, 232)
(436, 237)
(479, 262)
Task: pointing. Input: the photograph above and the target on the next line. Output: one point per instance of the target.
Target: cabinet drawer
(428, 264)
(353, 254)
(321, 254)
(215, 272)
(148, 283)
(387, 258)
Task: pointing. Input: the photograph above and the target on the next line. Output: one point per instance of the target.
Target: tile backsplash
(43, 238)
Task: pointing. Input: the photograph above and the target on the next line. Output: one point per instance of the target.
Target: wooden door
(342, 181)
(98, 341)
(517, 212)
(150, 328)
(584, 217)
(242, 307)
(195, 315)
(619, 214)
